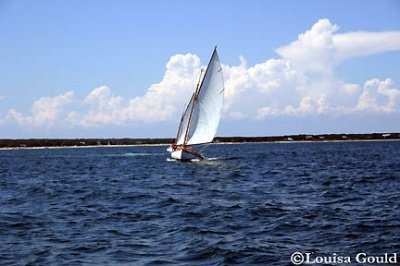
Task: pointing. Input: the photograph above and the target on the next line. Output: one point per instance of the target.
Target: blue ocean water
(249, 204)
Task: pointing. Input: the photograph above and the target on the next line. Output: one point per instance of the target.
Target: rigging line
(180, 126)
(181, 121)
(205, 146)
(197, 94)
(194, 98)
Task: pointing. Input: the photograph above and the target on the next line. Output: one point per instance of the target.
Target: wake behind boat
(200, 120)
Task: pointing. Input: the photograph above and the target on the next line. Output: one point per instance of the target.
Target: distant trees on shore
(28, 143)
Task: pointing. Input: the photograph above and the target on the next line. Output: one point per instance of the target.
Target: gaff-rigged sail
(184, 122)
(201, 118)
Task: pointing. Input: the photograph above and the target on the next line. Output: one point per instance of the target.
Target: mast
(184, 112)
(195, 96)
(180, 123)
(186, 109)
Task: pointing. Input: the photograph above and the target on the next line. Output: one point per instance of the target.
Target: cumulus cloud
(265, 83)
(45, 112)
(162, 101)
(104, 108)
(301, 82)
(314, 50)
(321, 48)
(379, 95)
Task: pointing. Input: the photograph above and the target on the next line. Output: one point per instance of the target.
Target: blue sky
(126, 68)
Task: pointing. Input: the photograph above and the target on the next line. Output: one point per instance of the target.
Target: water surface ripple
(251, 204)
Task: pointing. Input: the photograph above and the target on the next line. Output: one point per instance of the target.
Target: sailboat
(199, 122)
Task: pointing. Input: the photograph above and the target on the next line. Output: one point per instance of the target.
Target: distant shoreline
(122, 142)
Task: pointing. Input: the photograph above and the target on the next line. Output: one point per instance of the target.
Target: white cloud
(274, 74)
(237, 81)
(162, 101)
(314, 50)
(307, 105)
(105, 108)
(379, 96)
(274, 83)
(300, 83)
(365, 43)
(266, 111)
(320, 48)
(303, 82)
(45, 112)
(166, 99)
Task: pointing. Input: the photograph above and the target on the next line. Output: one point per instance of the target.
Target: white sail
(184, 123)
(201, 118)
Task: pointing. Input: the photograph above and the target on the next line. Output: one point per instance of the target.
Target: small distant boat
(199, 122)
